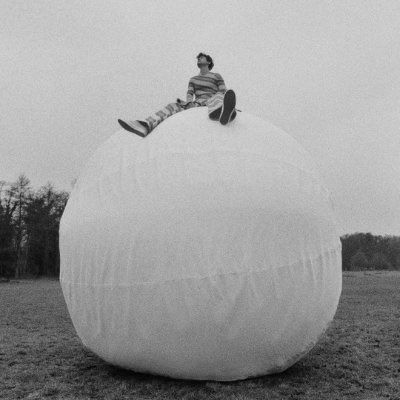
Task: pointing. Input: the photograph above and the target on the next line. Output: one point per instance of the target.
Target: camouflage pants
(213, 103)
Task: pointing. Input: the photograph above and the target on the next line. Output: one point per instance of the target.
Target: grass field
(358, 358)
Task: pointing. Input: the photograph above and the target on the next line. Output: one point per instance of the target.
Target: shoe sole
(228, 107)
(130, 129)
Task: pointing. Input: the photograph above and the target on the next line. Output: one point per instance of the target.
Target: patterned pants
(214, 103)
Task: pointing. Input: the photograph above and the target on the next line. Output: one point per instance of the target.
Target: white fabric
(201, 252)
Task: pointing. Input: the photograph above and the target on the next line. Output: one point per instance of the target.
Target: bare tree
(7, 251)
(20, 191)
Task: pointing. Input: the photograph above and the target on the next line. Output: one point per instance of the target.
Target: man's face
(202, 61)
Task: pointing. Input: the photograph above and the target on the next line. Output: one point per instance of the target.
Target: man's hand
(185, 104)
(181, 103)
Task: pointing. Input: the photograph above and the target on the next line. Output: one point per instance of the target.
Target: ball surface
(202, 251)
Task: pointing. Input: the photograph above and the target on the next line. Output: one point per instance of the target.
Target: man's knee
(174, 107)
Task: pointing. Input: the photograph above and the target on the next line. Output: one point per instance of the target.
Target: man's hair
(208, 58)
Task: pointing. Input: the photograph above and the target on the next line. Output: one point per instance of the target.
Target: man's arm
(220, 83)
(190, 92)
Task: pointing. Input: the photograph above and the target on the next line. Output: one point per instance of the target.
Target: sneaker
(138, 127)
(228, 107)
(214, 115)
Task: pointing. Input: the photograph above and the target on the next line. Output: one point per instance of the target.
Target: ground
(358, 357)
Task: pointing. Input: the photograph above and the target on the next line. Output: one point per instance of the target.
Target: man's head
(205, 60)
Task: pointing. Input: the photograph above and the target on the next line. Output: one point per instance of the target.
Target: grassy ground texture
(358, 358)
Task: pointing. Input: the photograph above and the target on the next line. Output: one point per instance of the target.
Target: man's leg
(221, 107)
(159, 116)
(214, 105)
(143, 128)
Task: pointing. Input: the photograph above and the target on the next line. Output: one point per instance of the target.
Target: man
(205, 89)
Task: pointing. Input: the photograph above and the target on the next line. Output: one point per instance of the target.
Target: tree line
(29, 225)
(29, 229)
(364, 251)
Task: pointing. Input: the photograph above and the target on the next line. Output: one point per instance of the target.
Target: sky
(327, 72)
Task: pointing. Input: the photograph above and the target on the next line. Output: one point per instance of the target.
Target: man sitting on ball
(207, 88)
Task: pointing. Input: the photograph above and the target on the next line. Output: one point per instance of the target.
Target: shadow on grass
(298, 373)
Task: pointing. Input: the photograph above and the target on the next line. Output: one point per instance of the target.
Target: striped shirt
(205, 86)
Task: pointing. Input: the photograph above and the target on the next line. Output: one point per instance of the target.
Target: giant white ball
(201, 252)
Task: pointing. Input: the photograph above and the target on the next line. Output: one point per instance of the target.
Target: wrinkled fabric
(202, 252)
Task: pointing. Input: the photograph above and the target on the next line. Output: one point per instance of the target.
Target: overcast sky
(327, 72)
